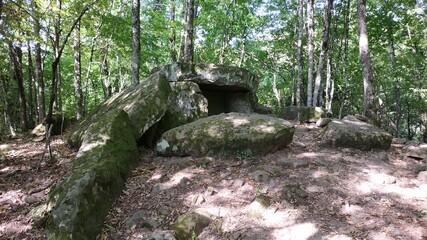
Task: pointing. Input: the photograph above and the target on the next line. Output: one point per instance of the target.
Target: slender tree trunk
(188, 52)
(310, 46)
(78, 94)
(345, 58)
(106, 76)
(323, 52)
(30, 101)
(329, 90)
(300, 60)
(365, 61)
(172, 36)
(7, 111)
(276, 91)
(136, 45)
(242, 49)
(89, 68)
(396, 80)
(16, 59)
(41, 110)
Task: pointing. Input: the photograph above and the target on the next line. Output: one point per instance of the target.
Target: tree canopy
(259, 35)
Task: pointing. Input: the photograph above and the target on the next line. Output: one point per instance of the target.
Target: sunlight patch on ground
(12, 197)
(302, 231)
(14, 227)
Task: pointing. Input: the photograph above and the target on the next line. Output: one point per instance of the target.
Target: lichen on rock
(82, 200)
(227, 134)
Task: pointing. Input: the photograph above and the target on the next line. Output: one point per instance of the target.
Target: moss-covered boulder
(81, 201)
(353, 133)
(308, 114)
(189, 225)
(145, 103)
(186, 104)
(60, 122)
(227, 134)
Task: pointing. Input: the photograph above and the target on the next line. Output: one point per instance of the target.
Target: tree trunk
(16, 59)
(276, 91)
(300, 60)
(136, 45)
(30, 101)
(345, 58)
(188, 50)
(323, 52)
(7, 111)
(172, 36)
(89, 67)
(105, 73)
(330, 84)
(242, 49)
(78, 94)
(41, 110)
(365, 61)
(310, 46)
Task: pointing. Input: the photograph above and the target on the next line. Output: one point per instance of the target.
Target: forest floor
(304, 191)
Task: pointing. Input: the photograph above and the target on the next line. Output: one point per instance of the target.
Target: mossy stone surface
(190, 225)
(186, 104)
(353, 133)
(81, 201)
(145, 103)
(230, 134)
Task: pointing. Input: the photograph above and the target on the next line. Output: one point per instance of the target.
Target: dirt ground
(304, 191)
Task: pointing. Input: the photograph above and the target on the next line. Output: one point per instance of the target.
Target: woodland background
(69, 56)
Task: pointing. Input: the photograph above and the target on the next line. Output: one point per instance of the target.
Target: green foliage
(265, 31)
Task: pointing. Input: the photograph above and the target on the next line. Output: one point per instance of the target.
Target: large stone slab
(227, 134)
(80, 203)
(145, 103)
(211, 76)
(353, 133)
(186, 104)
(227, 88)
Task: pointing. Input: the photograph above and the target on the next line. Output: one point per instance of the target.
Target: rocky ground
(305, 191)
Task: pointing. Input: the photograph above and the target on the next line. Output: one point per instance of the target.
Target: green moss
(82, 200)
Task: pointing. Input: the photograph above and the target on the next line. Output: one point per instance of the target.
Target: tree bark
(299, 57)
(30, 101)
(7, 111)
(16, 59)
(172, 36)
(345, 58)
(41, 110)
(188, 51)
(323, 52)
(365, 61)
(310, 46)
(136, 45)
(78, 94)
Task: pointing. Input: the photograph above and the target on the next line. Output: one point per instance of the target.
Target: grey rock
(238, 183)
(422, 177)
(160, 235)
(293, 163)
(419, 152)
(231, 134)
(188, 224)
(353, 133)
(273, 170)
(106, 157)
(323, 122)
(185, 104)
(141, 218)
(259, 176)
